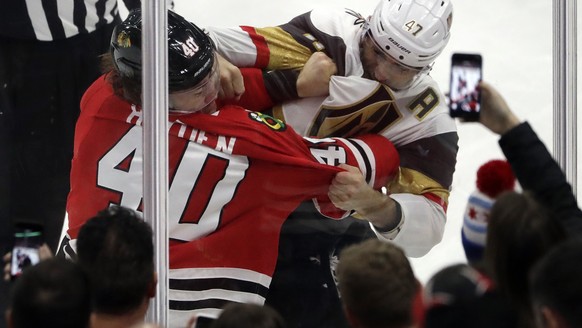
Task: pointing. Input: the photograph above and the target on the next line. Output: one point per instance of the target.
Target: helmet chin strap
(365, 29)
(415, 79)
(181, 112)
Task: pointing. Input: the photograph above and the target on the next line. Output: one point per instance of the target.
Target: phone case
(27, 240)
(464, 97)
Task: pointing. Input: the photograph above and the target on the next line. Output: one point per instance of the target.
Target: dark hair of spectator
(54, 293)
(377, 284)
(520, 232)
(556, 281)
(116, 250)
(242, 315)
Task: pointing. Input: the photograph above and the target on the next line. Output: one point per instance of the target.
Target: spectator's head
(193, 75)
(493, 178)
(556, 286)
(377, 285)
(520, 232)
(242, 315)
(54, 293)
(116, 250)
(403, 39)
(461, 296)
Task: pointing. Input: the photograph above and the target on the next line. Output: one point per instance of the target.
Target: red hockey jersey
(234, 175)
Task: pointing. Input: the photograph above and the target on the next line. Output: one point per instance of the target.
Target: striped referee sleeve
(61, 19)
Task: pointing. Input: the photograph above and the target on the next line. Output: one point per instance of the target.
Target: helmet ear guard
(190, 50)
(413, 32)
(126, 46)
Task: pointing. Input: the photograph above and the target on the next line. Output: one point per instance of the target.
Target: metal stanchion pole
(564, 82)
(155, 112)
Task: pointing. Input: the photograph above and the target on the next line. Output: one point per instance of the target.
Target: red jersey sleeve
(374, 155)
(255, 96)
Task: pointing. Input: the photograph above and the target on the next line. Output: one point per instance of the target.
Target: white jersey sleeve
(425, 219)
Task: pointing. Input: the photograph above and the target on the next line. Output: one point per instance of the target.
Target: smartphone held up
(465, 97)
(28, 238)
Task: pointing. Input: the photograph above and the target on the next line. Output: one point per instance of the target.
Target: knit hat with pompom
(493, 178)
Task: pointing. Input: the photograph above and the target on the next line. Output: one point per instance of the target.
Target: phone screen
(27, 239)
(465, 98)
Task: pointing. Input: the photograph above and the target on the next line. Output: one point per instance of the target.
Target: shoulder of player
(335, 20)
(235, 121)
(425, 85)
(99, 99)
(424, 82)
(99, 88)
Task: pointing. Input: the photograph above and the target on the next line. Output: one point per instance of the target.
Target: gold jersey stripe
(414, 182)
(285, 51)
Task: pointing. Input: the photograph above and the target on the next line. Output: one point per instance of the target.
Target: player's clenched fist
(349, 189)
(314, 78)
(231, 80)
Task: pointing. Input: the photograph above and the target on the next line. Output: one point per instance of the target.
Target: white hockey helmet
(413, 32)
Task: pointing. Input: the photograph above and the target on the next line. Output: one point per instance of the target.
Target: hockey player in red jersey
(235, 174)
(381, 85)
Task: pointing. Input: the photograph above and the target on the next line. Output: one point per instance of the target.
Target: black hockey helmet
(190, 50)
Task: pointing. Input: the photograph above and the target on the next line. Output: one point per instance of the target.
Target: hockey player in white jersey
(381, 86)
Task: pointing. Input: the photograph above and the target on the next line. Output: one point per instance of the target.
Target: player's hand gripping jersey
(416, 119)
(234, 177)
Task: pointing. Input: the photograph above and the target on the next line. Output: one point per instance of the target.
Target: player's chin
(210, 108)
(400, 84)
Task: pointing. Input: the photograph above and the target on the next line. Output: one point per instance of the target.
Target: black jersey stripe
(438, 163)
(237, 285)
(365, 157)
(210, 303)
(42, 20)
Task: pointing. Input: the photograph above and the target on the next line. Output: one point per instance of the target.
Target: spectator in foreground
(462, 296)
(530, 160)
(524, 227)
(52, 294)
(556, 288)
(115, 248)
(241, 315)
(378, 287)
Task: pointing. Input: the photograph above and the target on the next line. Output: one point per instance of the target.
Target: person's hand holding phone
(28, 237)
(495, 113)
(44, 252)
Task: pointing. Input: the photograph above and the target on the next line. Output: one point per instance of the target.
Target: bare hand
(495, 113)
(231, 80)
(315, 76)
(349, 190)
(44, 252)
(192, 322)
(7, 257)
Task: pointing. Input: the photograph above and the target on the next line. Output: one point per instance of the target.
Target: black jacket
(539, 173)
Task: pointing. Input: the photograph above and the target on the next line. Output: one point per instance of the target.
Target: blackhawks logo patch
(123, 40)
(271, 122)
